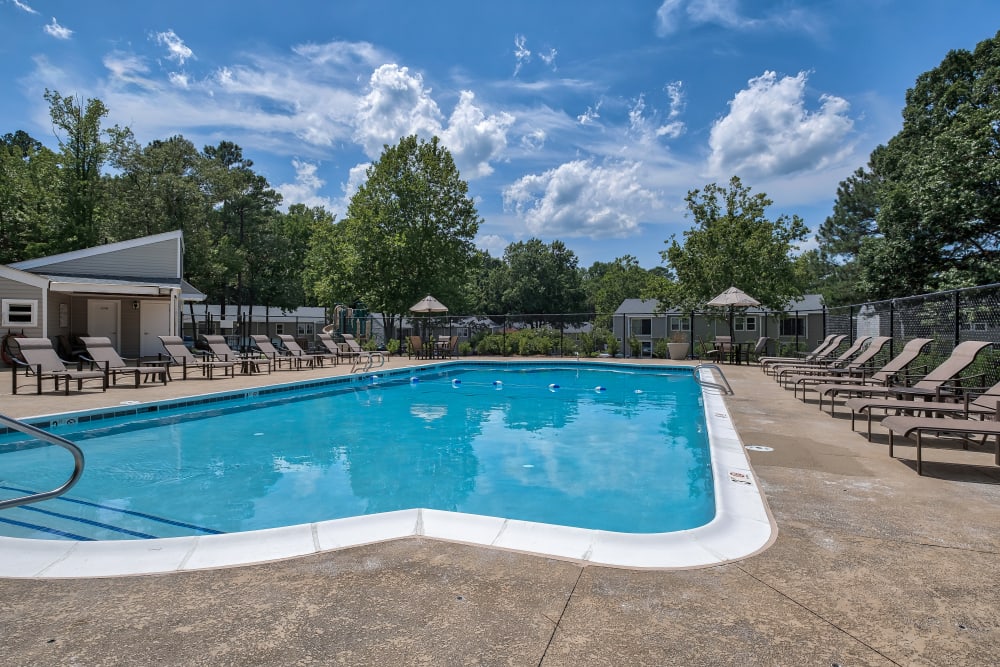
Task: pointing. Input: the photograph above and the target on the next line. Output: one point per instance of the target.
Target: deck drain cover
(759, 448)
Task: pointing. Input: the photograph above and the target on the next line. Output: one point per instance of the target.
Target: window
(745, 323)
(279, 328)
(680, 323)
(793, 326)
(20, 313)
(305, 328)
(642, 326)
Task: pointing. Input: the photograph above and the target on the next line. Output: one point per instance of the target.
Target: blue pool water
(618, 449)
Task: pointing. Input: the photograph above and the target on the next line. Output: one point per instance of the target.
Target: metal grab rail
(724, 388)
(52, 439)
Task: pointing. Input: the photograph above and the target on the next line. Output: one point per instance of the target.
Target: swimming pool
(495, 454)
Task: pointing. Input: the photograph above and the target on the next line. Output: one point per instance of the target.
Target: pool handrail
(78, 462)
(723, 387)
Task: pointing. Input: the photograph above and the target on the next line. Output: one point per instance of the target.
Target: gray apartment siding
(153, 260)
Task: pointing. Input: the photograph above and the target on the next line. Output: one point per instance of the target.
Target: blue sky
(586, 122)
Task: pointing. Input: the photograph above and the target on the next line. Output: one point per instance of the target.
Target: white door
(102, 319)
(154, 320)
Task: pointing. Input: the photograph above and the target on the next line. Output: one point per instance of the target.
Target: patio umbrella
(427, 306)
(733, 298)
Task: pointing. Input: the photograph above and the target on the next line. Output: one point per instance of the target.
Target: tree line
(921, 216)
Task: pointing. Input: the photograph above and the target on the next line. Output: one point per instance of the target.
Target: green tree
(243, 206)
(409, 230)
(938, 187)
(610, 283)
(835, 267)
(84, 151)
(537, 280)
(733, 243)
(29, 203)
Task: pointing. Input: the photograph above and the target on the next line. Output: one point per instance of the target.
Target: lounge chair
(945, 403)
(101, 353)
(278, 357)
(821, 354)
(249, 363)
(359, 355)
(907, 426)
(758, 349)
(854, 368)
(179, 354)
(39, 358)
(947, 372)
(819, 350)
(881, 378)
(311, 359)
(840, 361)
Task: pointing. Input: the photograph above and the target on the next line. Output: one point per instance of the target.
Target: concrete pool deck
(872, 565)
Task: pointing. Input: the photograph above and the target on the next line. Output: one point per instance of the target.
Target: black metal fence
(948, 318)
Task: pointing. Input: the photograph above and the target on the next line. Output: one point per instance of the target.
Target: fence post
(690, 335)
(850, 325)
(892, 325)
(958, 317)
(503, 352)
(797, 326)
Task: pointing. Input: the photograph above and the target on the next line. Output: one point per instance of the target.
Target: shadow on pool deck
(873, 565)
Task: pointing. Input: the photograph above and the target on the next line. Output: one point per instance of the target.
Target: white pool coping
(742, 527)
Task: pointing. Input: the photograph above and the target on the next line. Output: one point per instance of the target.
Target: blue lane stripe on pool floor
(141, 515)
(44, 529)
(89, 522)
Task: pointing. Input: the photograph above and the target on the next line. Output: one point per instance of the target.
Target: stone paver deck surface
(872, 565)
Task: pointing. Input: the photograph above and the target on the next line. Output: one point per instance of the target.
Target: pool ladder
(723, 386)
(38, 433)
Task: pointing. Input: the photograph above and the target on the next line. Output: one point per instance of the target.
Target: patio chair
(823, 348)
(39, 358)
(278, 357)
(720, 348)
(814, 375)
(947, 372)
(880, 378)
(179, 354)
(907, 426)
(99, 352)
(249, 362)
(415, 347)
(357, 354)
(972, 403)
(841, 360)
(311, 359)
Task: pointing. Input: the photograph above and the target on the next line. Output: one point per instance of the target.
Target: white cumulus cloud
(580, 198)
(398, 105)
(769, 131)
(474, 138)
(306, 188)
(177, 50)
(58, 31)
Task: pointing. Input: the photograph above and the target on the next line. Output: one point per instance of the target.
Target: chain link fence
(947, 318)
